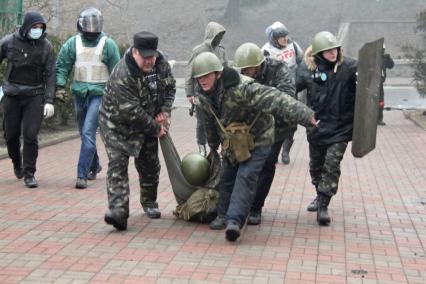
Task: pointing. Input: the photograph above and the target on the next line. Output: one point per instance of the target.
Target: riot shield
(367, 98)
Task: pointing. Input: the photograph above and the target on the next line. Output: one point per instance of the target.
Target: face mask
(35, 33)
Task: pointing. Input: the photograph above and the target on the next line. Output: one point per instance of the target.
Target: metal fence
(10, 15)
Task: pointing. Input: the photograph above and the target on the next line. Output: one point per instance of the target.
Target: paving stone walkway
(56, 234)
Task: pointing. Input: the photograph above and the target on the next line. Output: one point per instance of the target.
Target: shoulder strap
(218, 121)
(101, 44)
(254, 120)
(78, 44)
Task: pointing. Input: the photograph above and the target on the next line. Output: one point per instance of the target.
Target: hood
(213, 30)
(310, 59)
(30, 19)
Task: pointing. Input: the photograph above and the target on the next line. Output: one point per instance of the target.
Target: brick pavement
(56, 234)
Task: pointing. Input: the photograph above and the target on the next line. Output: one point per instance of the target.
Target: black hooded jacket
(331, 90)
(31, 63)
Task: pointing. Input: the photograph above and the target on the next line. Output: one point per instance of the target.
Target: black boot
(119, 221)
(313, 206)
(323, 218)
(285, 155)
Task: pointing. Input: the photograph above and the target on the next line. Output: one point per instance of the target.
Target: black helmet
(90, 21)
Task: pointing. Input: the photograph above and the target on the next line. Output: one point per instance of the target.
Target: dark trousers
(201, 129)
(148, 166)
(237, 186)
(266, 177)
(324, 166)
(23, 113)
(381, 103)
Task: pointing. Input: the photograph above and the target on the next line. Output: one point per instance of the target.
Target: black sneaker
(232, 232)
(117, 220)
(218, 223)
(30, 182)
(152, 212)
(92, 174)
(81, 183)
(254, 218)
(19, 173)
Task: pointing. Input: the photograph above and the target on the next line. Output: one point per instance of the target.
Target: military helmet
(248, 55)
(205, 63)
(195, 168)
(90, 21)
(324, 41)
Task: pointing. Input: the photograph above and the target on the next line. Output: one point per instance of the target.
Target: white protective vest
(88, 64)
(288, 54)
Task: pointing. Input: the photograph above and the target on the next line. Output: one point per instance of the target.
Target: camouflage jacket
(240, 99)
(128, 109)
(276, 74)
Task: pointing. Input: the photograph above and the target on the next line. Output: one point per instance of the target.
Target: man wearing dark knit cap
(134, 113)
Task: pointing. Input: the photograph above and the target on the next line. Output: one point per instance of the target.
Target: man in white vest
(92, 56)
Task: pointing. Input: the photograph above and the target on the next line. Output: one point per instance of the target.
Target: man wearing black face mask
(29, 89)
(330, 80)
(93, 56)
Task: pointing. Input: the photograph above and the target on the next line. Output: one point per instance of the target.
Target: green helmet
(248, 55)
(205, 63)
(324, 41)
(195, 168)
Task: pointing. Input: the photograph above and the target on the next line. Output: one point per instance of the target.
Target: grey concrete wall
(180, 23)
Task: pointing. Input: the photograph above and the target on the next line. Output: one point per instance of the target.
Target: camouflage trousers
(324, 166)
(148, 167)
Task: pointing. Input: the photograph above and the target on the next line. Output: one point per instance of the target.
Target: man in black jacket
(29, 88)
(330, 80)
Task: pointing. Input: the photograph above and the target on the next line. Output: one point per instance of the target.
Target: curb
(49, 142)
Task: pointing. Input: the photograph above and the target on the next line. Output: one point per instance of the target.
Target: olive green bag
(238, 138)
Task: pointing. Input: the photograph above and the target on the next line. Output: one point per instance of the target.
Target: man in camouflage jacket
(240, 99)
(135, 112)
(270, 72)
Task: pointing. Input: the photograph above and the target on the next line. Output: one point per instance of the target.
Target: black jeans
(23, 113)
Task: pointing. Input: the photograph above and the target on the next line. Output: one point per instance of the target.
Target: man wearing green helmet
(270, 72)
(330, 80)
(239, 115)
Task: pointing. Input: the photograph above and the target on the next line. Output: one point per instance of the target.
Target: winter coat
(332, 97)
(128, 109)
(276, 74)
(30, 67)
(292, 54)
(240, 99)
(213, 31)
(67, 58)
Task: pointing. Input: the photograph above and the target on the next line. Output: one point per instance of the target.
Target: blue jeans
(266, 177)
(87, 112)
(238, 184)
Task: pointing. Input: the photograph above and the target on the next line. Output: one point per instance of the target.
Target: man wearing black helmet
(29, 91)
(93, 55)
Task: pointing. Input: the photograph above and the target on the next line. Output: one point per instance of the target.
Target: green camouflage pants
(148, 166)
(324, 166)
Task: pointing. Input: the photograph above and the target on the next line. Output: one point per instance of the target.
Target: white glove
(172, 63)
(49, 110)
